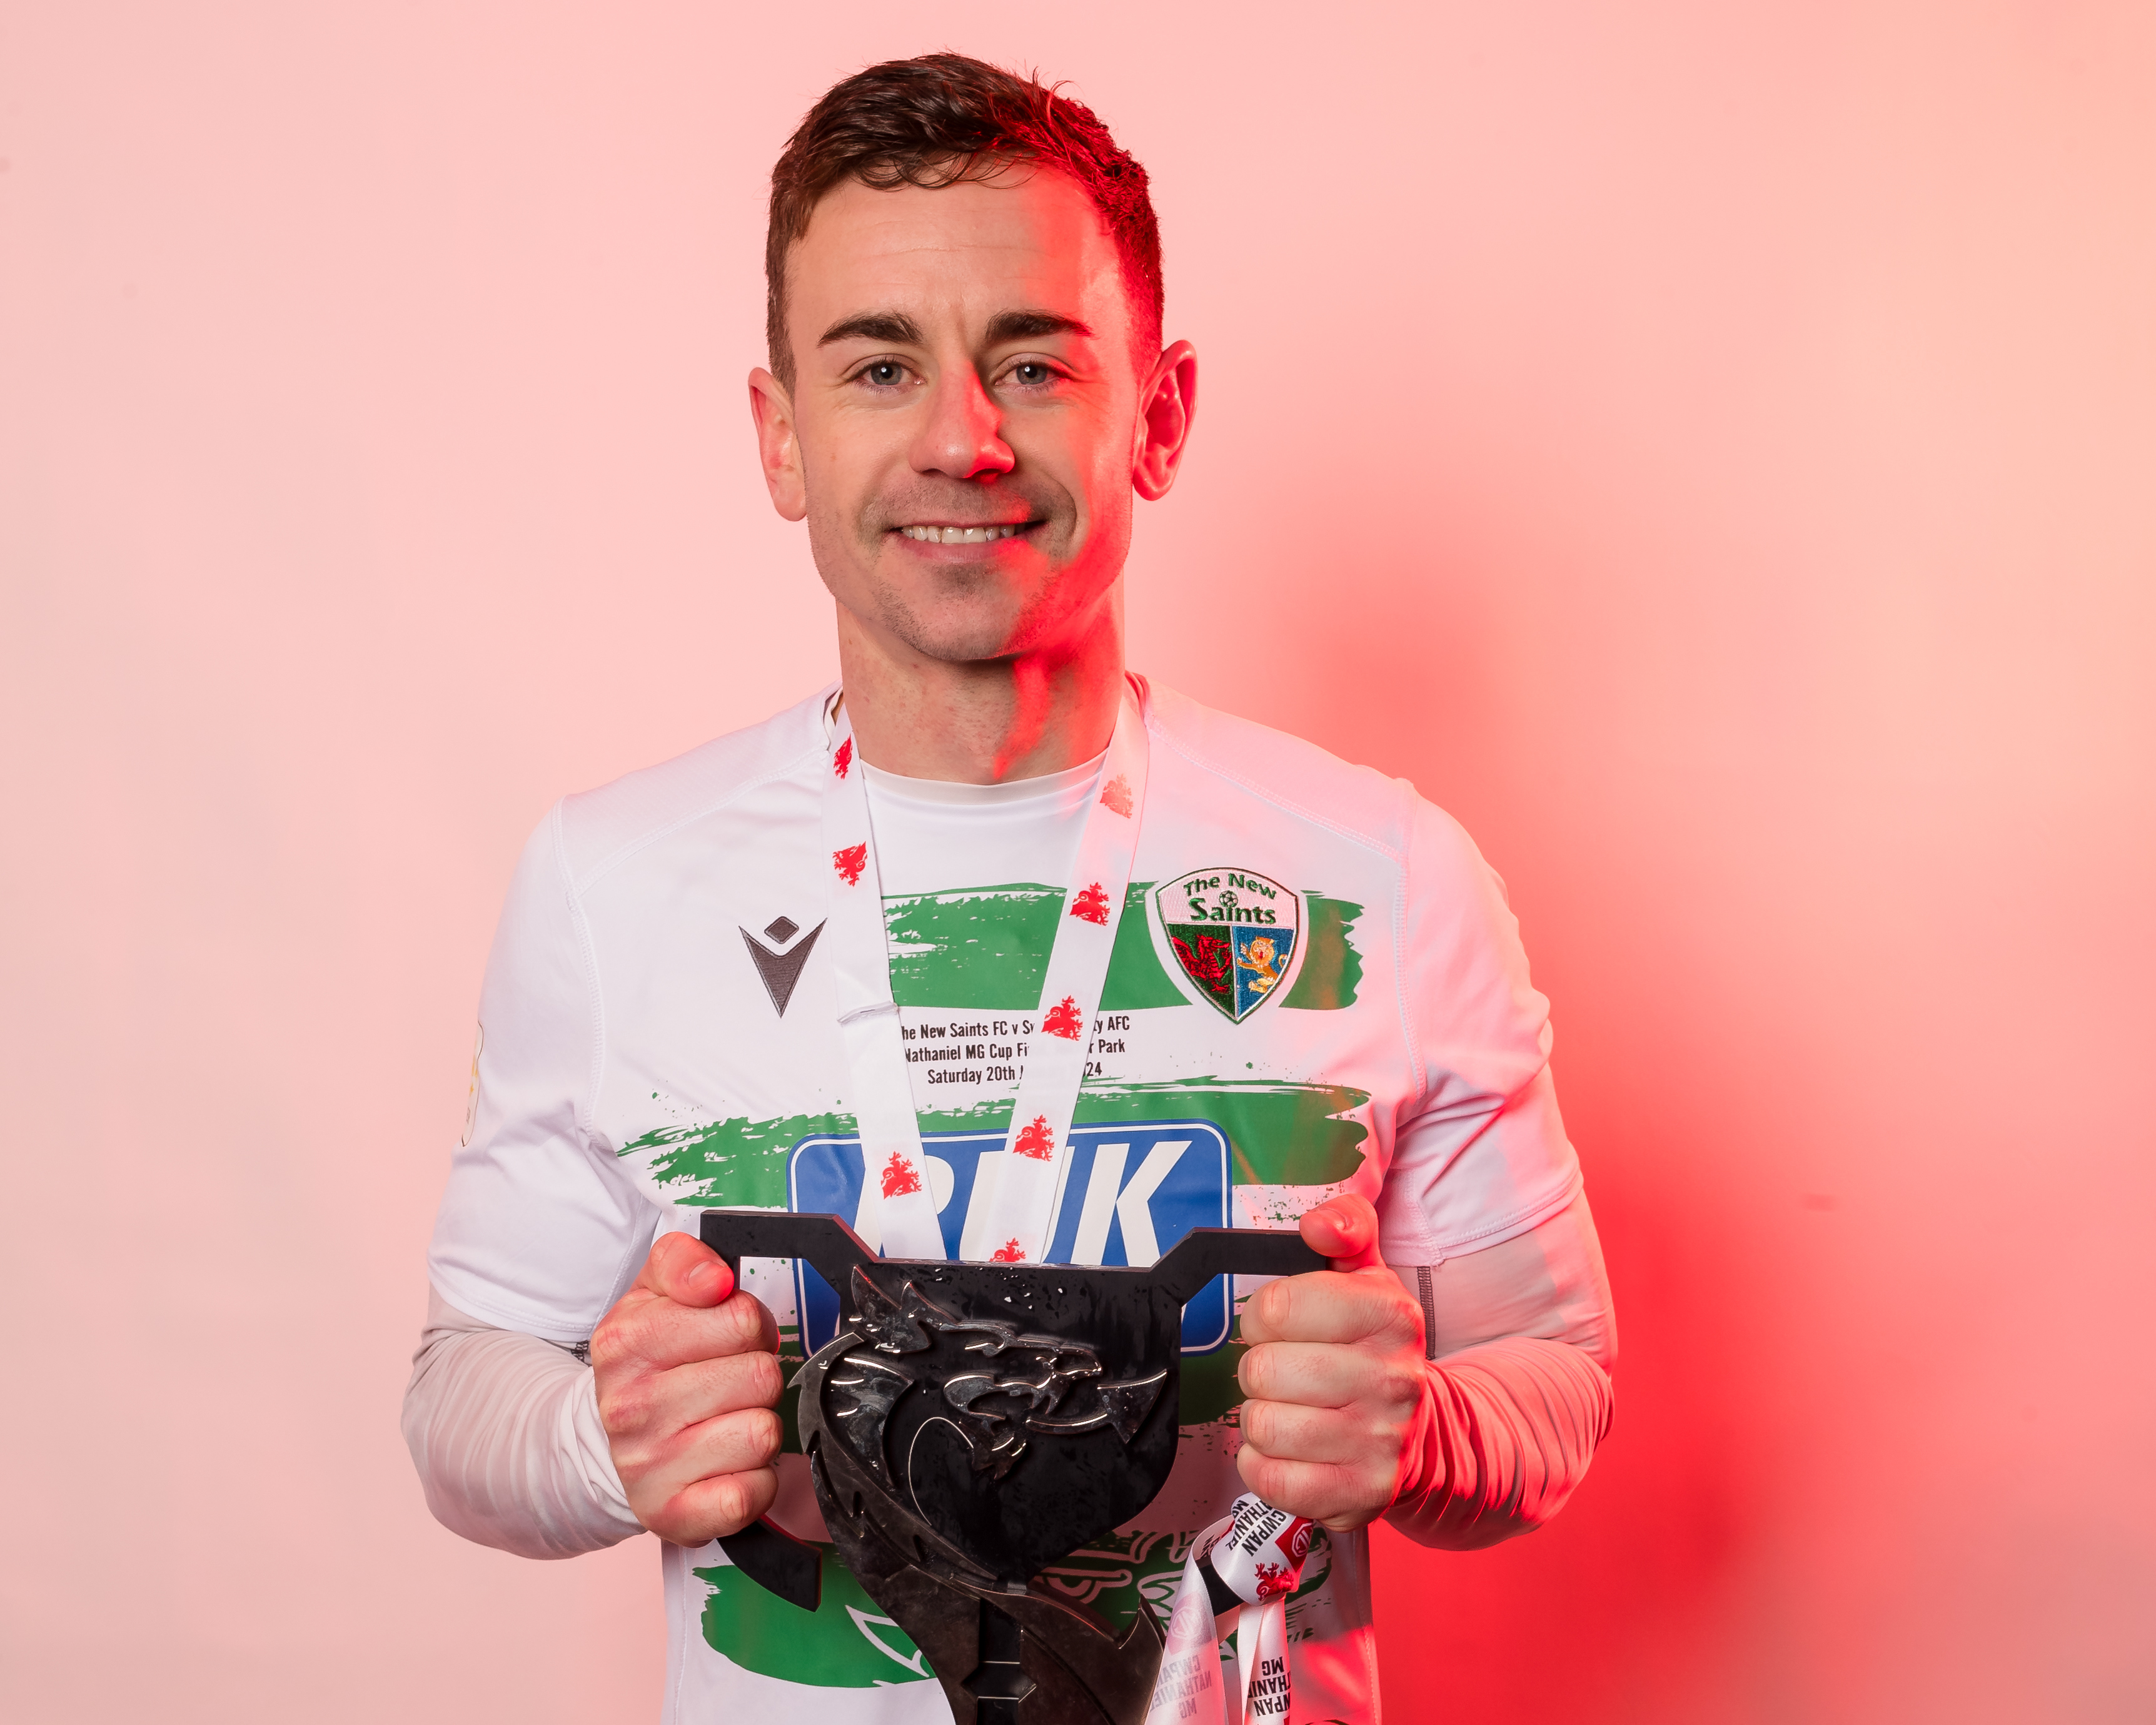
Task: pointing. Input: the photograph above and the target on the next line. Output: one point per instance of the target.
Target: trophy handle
(835, 1249)
(830, 1246)
(1204, 1253)
(764, 1551)
(778, 1562)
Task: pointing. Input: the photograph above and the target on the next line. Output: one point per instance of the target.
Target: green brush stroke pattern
(737, 1163)
(986, 949)
(1279, 1134)
(1331, 969)
(1135, 977)
(831, 1647)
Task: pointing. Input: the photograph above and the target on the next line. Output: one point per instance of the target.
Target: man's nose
(961, 436)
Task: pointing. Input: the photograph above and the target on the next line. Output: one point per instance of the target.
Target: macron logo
(781, 969)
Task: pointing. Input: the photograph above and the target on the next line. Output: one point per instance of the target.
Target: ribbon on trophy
(1254, 1557)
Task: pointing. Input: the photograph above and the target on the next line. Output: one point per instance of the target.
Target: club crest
(1232, 931)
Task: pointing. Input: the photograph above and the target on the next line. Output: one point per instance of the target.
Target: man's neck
(986, 720)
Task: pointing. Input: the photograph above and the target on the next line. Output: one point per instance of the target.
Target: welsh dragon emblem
(1234, 934)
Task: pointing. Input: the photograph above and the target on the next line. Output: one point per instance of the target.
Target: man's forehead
(1030, 237)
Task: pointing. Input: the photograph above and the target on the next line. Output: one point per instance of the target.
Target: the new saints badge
(1232, 931)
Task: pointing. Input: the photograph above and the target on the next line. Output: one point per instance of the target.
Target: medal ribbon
(1256, 1555)
(1014, 1219)
(1256, 1552)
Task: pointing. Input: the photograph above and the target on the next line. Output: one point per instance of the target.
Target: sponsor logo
(1129, 1192)
(1233, 932)
(780, 965)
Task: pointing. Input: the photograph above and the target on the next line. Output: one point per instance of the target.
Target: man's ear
(775, 446)
(1168, 403)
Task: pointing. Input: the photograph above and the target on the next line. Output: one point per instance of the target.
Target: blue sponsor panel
(1132, 1192)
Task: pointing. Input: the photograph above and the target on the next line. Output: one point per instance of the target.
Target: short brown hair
(943, 118)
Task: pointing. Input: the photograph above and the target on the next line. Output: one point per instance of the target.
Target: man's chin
(965, 621)
(973, 641)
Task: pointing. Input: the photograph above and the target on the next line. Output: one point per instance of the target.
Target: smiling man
(1001, 951)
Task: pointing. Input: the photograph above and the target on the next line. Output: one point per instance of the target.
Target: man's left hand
(1335, 1377)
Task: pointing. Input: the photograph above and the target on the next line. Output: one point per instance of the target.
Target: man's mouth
(981, 535)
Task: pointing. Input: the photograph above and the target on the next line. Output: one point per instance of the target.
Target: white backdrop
(1708, 449)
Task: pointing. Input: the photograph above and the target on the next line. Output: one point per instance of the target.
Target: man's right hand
(687, 1375)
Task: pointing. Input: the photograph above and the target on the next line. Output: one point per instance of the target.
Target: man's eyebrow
(893, 327)
(1030, 325)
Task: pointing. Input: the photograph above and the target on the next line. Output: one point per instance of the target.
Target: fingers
(1327, 1306)
(1345, 1229)
(681, 1268)
(708, 1509)
(1338, 1497)
(1347, 1437)
(648, 1329)
(1328, 1425)
(686, 1376)
(1322, 1374)
(668, 1463)
(645, 1410)
(689, 1479)
(1334, 1374)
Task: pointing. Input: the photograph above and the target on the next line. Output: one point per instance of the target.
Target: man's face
(965, 416)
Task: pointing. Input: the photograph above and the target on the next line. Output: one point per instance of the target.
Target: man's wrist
(1425, 1470)
(585, 1437)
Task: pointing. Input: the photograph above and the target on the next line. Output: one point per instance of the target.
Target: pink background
(1711, 450)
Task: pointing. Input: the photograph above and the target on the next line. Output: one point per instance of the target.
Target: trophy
(970, 1424)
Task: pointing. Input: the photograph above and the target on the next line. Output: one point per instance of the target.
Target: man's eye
(884, 372)
(1031, 373)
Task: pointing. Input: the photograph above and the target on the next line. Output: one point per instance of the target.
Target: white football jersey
(1317, 988)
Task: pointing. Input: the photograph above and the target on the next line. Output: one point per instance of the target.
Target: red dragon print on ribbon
(1063, 1020)
(899, 1179)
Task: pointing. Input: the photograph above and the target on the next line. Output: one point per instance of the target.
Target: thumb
(681, 1268)
(1345, 1229)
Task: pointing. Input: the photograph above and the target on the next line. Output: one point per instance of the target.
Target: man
(1314, 1008)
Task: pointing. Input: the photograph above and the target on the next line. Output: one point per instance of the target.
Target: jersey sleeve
(1479, 1154)
(538, 1231)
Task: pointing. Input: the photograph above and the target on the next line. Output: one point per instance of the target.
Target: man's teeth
(960, 535)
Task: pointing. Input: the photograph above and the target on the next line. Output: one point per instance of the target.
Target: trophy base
(1005, 1656)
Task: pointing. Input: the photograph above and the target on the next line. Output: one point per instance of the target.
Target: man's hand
(1335, 1376)
(686, 1377)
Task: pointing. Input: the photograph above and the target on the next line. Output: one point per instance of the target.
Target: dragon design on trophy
(1000, 1382)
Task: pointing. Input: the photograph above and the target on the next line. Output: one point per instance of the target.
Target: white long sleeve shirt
(657, 1037)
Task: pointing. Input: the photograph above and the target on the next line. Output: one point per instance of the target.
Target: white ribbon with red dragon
(1257, 1553)
(1257, 1550)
